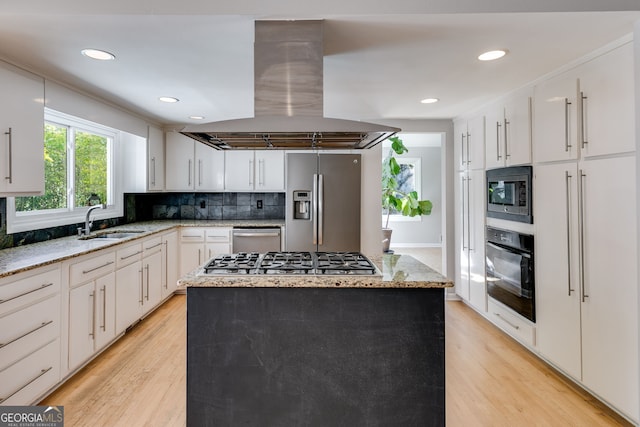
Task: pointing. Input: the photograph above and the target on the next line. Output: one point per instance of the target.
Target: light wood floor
(490, 379)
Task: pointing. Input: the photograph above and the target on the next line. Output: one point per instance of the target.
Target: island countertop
(395, 271)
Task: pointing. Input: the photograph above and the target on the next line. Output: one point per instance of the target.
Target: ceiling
(377, 66)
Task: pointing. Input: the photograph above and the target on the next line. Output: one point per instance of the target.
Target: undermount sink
(113, 235)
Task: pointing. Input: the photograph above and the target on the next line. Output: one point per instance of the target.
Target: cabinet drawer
(151, 245)
(25, 330)
(218, 235)
(519, 328)
(26, 288)
(128, 255)
(89, 269)
(192, 235)
(27, 380)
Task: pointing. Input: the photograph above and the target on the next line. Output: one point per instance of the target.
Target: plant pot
(386, 239)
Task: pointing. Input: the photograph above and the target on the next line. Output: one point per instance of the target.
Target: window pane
(55, 173)
(91, 168)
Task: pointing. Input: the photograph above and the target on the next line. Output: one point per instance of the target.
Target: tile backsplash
(158, 206)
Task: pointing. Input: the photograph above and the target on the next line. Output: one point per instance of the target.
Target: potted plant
(394, 199)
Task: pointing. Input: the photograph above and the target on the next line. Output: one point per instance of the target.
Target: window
(409, 180)
(78, 173)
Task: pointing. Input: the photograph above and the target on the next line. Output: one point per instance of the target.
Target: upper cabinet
(261, 170)
(155, 159)
(469, 137)
(586, 111)
(508, 131)
(21, 132)
(191, 165)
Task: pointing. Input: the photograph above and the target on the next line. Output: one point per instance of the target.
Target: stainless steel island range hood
(288, 98)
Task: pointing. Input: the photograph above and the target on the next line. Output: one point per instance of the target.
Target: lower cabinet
(91, 318)
(199, 244)
(170, 254)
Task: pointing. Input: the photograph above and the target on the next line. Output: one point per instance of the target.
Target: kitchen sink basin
(115, 235)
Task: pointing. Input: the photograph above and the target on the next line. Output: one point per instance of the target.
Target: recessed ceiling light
(169, 99)
(100, 55)
(196, 117)
(492, 54)
(430, 100)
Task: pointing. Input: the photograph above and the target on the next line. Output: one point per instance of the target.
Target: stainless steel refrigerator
(323, 202)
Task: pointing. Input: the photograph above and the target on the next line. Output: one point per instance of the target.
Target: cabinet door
(105, 311)
(475, 142)
(239, 170)
(82, 326)
(517, 129)
(610, 307)
(170, 263)
(129, 295)
(556, 266)
(476, 209)
(209, 168)
(155, 159)
(462, 237)
(460, 144)
(607, 103)
(554, 119)
(269, 170)
(152, 280)
(179, 164)
(494, 137)
(21, 132)
(191, 256)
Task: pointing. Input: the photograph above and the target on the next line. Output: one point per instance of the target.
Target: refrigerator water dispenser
(302, 204)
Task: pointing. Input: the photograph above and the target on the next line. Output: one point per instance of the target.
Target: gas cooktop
(290, 263)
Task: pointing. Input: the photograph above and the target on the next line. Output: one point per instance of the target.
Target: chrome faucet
(87, 221)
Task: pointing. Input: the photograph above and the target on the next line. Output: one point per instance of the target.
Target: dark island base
(315, 357)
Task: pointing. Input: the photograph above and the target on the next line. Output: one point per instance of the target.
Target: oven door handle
(509, 249)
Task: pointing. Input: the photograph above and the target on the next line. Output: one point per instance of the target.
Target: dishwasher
(264, 239)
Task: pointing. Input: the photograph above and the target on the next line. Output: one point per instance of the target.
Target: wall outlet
(203, 204)
(259, 204)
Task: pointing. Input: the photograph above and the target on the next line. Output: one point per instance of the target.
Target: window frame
(36, 220)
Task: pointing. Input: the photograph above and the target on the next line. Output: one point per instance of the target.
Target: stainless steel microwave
(509, 194)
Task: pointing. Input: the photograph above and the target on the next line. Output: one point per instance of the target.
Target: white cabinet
(21, 132)
(152, 258)
(91, 306)
(586, 111)
(199, 244)
(469, 137)
(191, 165)
(155, 159)
(30, 331)
(261, 170)
(129, 286)
(470, 225)
(170, 263)
(508, 131)
(586, 275)
(91, 318)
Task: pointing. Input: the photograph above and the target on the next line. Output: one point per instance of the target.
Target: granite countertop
(27, 257)
(395, 271)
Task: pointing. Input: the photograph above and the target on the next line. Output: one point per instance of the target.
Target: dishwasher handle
(253, 234)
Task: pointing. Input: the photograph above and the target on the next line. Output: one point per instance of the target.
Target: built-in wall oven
(510, 270)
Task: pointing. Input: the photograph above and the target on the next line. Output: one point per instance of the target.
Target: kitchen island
(317, 350)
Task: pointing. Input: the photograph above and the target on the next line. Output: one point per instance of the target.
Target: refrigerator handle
(314, 208)
(320, 209)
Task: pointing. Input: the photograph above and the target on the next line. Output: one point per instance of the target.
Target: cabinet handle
(44, 285)
(97, 268)
(581, 227)
(469, 214)
(250, 172)
(261, 173)
(41, 373)
(10, 177)
(92, 333)
(566, 125)
(464, 233)
(154, 246)
(582, 120)
(498, 126)
(42, 325)
(464, 162)
(567, 182)
(129, 256)
(166, 265)
(516, 327)
(146, 267)
(104, 308)
(141, 300)
(190, 173)
(153, 171)
(506, 142)
(199, 172)
(468, 154)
